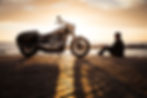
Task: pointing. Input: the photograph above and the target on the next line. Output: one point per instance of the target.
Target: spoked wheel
(80, 47)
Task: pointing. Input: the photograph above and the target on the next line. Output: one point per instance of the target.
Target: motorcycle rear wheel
(80, 47)
(27, 43)
(28, 52)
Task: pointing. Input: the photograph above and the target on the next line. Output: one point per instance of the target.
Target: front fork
(73, 36)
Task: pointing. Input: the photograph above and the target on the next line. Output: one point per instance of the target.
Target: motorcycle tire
(77, 46)
(27, 44)
(26, 53)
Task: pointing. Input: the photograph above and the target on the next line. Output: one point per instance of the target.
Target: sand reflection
(65, 87)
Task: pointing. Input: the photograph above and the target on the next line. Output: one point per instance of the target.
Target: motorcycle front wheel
(80, 47)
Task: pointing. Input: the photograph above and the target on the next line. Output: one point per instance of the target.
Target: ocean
(128, 52)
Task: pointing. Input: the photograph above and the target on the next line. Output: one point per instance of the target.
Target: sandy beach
(67, 77)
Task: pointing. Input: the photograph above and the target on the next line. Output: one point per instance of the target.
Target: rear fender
(27, 38)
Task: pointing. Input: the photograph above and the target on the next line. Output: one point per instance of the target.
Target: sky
(96, 20)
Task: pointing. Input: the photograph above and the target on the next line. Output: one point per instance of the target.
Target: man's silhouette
(117, 49)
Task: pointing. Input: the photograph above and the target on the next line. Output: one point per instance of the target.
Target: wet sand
(67, 77)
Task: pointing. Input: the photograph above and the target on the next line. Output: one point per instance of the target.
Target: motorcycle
(29, 42)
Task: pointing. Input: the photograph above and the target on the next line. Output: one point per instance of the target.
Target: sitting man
(117, 49)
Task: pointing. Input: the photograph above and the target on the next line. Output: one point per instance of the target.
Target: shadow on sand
(31, 81)
(100, 84)
(19, 79)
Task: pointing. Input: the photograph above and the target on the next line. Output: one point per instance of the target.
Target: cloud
(15, 1)
(7, 6)
(116, 3)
